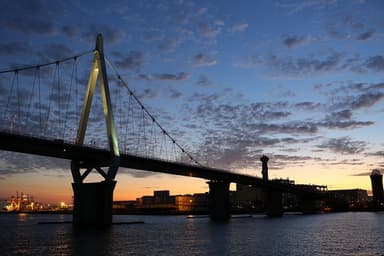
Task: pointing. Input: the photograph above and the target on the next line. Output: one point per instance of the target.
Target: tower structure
(264, 159)
(93, 201)
(377, 187)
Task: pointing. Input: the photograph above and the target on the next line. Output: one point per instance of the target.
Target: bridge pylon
(219, 205)
(93, 201)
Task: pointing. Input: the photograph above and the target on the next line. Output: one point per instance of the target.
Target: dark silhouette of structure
(264, 171)
(377, 188)
(93, 201)
(272, 197)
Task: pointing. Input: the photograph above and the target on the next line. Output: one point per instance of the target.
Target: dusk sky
(299, 81)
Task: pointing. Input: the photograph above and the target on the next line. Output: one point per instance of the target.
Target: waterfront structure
(22, 202)
(354, 198)
(93, 200)
(160, 200)
(248, 197)
(264, 159)
(377, 188)
(196, 203)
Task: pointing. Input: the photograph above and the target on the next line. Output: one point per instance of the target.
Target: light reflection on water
(323, 234)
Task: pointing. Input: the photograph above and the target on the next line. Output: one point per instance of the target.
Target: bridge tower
(264, 171)
(377, 188)
(219, 205)
(93, 201)
(272, 197)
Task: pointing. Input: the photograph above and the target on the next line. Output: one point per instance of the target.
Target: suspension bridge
(45, 110)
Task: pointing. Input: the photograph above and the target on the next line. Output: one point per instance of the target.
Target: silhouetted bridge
(93, 201)
(90, 157)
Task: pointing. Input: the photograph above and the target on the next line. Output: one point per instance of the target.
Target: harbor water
(351, 233)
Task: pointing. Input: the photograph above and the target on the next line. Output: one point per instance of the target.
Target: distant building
(248, 197)
(192, 203)
(353, 197)
(160, 199)
(377, 187)
(124, 206)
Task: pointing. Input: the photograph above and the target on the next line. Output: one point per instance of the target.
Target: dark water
(323, 234)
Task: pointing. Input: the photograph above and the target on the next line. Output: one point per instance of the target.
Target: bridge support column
(273, 203)
(308, 205)
(219, 205)
(93, 203)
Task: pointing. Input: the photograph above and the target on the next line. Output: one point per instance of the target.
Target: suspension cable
(30, 99)
(69, 95)
(150, 115)
(45, 64)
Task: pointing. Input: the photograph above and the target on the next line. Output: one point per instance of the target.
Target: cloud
(174, 94)
(208, 31)
(152, 36)
(134, 60)
(359, 101)
(32, 26)
(165, 76)
(239, 27)
(169, 44)
(375, 63)
(342, 120)
(175, 77)
(203, 81)
(17, 163)
(202, 11)
(352, 162)
(55, 51)
(249, 62)
(365, 36)
(344, 124)
(340, 115)
(305, 66)
(111, 35)
(148, 93)
(344, 145)
(338, 35)
(292, 127)
(137, 173)
(70, 31)
(308, 106)
(353, 22)
(301, 6)
(294, 41)
(200, 60)
(36, 18)
(377, 153)
(14, 48)
(362, 174)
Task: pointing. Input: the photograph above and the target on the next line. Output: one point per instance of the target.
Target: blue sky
(300, 81)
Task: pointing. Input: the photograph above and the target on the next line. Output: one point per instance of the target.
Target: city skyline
(299, 81)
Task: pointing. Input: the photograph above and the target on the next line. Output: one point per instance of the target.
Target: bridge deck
(101, 157)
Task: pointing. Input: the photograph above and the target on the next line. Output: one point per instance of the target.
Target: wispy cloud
(239, 27)
(203, 81)
(344, 145)
(294, 41)
(365, 36)
(165, 76)
(201, 59)
(133, 60)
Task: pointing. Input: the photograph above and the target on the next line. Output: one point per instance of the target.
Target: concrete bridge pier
(93, 203)
(219, 205)
(273, 203)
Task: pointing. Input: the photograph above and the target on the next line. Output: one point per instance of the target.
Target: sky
(299, 81)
